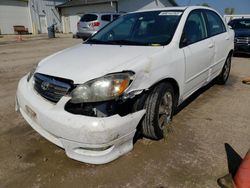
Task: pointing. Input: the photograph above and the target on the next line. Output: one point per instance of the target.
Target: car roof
(157, 9)
(100, 13)
(174, 9)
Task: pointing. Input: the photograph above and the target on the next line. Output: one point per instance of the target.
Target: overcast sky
(240, 6)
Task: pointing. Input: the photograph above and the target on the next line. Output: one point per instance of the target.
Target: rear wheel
(223, 77)
(159, 106)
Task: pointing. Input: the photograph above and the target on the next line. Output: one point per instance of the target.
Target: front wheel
(223, 77)
(159, 106)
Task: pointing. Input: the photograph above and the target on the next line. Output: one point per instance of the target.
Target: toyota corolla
(91, 99)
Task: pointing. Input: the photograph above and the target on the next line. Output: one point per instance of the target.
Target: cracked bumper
(87, 139)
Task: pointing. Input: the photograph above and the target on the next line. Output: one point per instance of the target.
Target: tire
(159, 105)
(223, 77)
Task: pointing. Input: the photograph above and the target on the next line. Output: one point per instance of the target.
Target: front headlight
(102, 89)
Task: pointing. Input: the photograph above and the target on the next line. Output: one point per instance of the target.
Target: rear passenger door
(218, 33)
(198, 50)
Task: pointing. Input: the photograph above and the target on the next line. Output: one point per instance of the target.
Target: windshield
(144, 28)
(240, 24)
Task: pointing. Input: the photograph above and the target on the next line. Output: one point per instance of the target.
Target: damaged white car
(130, 76)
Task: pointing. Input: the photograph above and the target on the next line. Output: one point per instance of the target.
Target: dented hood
(84, 62)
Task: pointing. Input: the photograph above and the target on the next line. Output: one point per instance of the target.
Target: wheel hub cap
(165, 110)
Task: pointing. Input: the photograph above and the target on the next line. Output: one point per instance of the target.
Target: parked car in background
(89, 24)
(130, 76)
(242, 34)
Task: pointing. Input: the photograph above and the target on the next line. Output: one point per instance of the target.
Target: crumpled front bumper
(88, 139)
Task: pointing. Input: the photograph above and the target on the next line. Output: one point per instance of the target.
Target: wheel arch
(175, 85)
(231, 52)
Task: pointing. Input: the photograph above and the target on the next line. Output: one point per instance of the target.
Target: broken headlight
(102, 89)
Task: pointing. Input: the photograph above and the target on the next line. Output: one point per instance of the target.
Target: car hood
(84, 62)
(242, 32)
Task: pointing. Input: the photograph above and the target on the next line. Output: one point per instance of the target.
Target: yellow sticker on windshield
(155, 44)
(170, 13)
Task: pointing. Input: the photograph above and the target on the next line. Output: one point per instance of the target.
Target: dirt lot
(193, 155)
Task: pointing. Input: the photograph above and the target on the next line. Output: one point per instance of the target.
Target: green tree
(229, 11)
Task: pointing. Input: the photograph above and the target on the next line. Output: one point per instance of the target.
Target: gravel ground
(192, 155)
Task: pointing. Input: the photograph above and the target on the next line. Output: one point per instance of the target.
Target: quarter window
(214, 23)
(195, 29)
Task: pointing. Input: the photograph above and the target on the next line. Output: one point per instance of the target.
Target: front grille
(242, 40)
(52, 88)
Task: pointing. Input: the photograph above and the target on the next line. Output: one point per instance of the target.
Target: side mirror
(184, 40)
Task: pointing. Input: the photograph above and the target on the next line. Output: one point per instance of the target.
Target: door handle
(227, 38)
(210, 45)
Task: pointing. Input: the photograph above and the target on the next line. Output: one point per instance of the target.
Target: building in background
(43, 14)
(35, 15)
(71, 11)
(14, 12)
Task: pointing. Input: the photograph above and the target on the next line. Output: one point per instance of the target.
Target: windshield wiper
(126, 42)
(119, 42)
(96, 41)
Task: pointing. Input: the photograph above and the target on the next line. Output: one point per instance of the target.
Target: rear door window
(214, 23)
(89, 18)
(106, 18)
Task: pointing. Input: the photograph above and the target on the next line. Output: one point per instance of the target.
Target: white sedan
(92, 98)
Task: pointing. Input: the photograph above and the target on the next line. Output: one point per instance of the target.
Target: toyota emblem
(45, 85)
